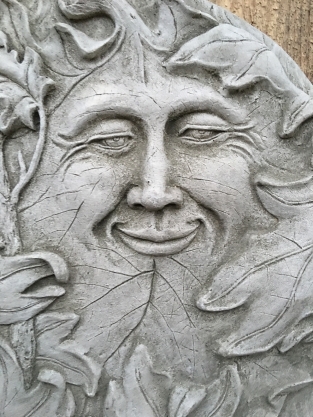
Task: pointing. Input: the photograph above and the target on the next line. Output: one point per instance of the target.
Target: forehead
(161, 97)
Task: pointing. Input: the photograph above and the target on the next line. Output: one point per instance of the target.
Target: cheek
(98, 187)
(221, 184)
(71, 202)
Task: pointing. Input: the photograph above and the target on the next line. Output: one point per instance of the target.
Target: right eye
(113, 142)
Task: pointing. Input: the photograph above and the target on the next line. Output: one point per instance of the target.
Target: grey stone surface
(156, 212)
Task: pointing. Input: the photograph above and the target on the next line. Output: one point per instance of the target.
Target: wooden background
(288, 22)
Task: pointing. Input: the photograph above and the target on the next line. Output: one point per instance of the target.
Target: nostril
(174, 205)
(154, 198)
(137, 206)
(134, 197)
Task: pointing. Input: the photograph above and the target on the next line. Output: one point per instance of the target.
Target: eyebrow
(221, 108)
(216, 105)
(78, 124)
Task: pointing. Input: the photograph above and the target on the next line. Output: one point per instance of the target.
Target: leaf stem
(10, 242)
(24, 180)
(23, 334)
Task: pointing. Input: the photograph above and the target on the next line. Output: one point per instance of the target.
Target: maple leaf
(66, 356)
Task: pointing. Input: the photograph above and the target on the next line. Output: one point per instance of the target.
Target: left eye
(113, 142)
(201, 135)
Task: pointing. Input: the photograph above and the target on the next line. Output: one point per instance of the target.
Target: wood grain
(288, 22)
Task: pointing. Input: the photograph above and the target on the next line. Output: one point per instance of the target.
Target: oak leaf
(22, 88)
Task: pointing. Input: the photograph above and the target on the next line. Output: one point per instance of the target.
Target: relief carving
(156, 207)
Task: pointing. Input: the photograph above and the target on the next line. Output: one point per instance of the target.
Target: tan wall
(288, 22)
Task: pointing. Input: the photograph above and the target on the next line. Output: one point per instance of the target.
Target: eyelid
(205, 127)
(111, 135)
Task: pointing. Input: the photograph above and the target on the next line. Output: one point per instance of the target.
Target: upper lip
(158, 236)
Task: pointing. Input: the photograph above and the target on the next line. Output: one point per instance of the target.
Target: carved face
(156, 175)
(178, 192)
(145, 174)
(158, 168)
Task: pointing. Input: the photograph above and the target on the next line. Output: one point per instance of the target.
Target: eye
(200, 135)
(113, 142)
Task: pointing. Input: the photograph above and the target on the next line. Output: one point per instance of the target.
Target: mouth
(157, 243)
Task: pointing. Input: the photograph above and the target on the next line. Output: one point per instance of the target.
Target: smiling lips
(158, 243)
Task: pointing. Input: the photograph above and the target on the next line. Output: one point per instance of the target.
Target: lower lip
(147, 247)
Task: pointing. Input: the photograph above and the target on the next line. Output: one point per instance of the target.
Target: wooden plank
(288, 22)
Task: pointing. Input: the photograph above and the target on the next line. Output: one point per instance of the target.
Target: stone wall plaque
(156, 213)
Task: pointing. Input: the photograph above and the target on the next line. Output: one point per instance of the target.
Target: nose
(155, 193)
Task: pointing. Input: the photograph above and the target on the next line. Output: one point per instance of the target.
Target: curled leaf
(66, 356)
(86, 47)
(141, 391)
(302, 331)
(221, 399)
(22, 88)
(276, 396)
(18, 273)
(50, 397)
(242, 60)
(199, 8)
(184, 400)
(19, 18)
(26, 74)
(276, 292)
(116, 402)
(286, 199)
(80, 9)
(230, 394)
(16, 110)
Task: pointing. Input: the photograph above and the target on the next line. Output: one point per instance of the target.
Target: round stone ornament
(156, 213)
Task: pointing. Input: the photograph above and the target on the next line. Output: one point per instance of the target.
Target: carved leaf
(280, 394)
(221, 399)
(285, 199)
(272, 279)
(141, 391)
(17, 274)
(79, 9)
(241, 61)
(22, 88)
(22, 92)
(123, 14)
(48, 398)
(298, 404)
(26, 74)
(16, 110)
(276, 293)
(184, 400)
(231, 390)
(69, 359)
(302, 331)
(199, 9)
(18, 17)
(85, 46)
